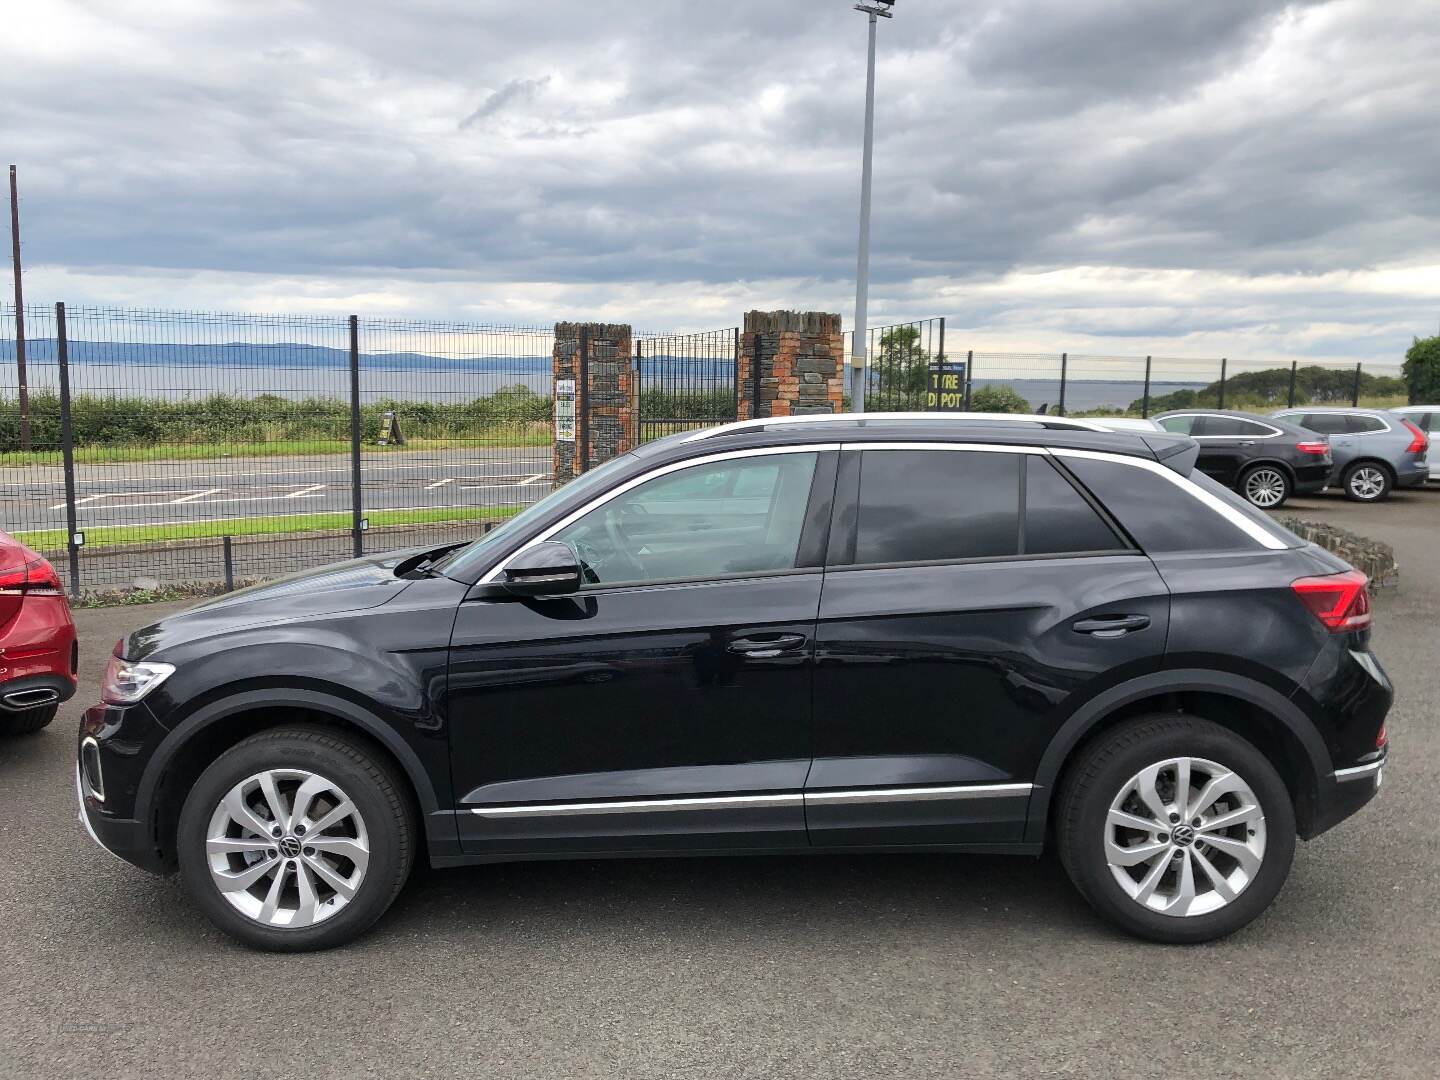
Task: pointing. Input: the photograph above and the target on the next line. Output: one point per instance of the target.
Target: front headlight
(127, 681)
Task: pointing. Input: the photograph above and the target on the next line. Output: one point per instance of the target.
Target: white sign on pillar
(564, 410)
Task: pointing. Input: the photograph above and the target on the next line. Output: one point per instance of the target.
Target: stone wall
(800, 356)
(606, 407)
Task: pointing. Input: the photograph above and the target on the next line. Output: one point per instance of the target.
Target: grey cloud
(516, 90)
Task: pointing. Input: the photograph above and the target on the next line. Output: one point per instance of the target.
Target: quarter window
(1153, 510)
(1363, 425)
(739, 516)
(1326, 423)
(1180, 425)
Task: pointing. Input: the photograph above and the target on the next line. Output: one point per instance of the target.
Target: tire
(1367, 481)
(1266, 486)
(1087, 836)
(28, 721)
(367, 851)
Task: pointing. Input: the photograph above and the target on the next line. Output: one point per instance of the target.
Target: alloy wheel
(1367, 482)
(1265, 487)
(287, 848)
(1185, 836)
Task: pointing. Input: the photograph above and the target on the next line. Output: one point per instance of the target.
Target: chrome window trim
(734, 802)
(635, 481)
(1250, 528)
(984, 448)
(1274, 431)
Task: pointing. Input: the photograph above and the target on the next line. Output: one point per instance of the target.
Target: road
(177, 493)
(853, 967)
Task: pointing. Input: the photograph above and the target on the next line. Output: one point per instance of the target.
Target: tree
(1422, 371)
(900, 373)
(999, 397)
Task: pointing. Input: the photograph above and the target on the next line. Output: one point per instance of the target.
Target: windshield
(477, 549)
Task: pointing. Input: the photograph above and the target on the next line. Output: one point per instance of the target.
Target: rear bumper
(1414, 478)
(33, 691)
(1344, 792)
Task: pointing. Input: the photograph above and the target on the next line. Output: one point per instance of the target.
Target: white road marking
(440, 483)
(305, 492)
(88, 498)
(196, 495)
(531, 480)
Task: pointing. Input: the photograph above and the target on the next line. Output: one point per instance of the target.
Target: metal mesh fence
(686, 381)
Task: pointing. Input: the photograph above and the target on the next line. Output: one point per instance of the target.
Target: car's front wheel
(296, 838)
(1175, 829)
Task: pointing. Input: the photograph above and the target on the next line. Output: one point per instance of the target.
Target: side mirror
(548, 569)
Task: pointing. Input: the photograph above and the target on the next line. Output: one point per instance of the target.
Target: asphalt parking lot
(918, 966)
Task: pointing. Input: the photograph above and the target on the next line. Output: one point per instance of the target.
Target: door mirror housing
(548, 569)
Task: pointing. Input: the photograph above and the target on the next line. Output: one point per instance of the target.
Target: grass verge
(54, 539)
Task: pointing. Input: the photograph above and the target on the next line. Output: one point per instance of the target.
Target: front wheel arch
(208, 732)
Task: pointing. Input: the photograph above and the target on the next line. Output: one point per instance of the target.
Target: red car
(38, 653)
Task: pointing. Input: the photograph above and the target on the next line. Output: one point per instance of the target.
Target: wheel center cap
(1181, 834)
(290, 847)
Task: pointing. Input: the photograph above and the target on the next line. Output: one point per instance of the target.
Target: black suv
(1266, 460)
(822, 634)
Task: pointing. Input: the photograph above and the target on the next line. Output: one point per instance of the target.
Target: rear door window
(1233, 427)
(929, 505)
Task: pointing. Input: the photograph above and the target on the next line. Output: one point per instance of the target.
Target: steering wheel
(619, 545)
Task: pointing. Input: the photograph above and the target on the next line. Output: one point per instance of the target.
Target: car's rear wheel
(1366, 481)
(27, 721)
(1175, 829)
(296, 838)
(1265, 486)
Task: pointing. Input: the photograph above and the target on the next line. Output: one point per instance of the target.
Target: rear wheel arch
(1257, 713)
(210, 731)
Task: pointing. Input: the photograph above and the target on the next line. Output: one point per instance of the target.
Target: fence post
(1064, 365)
(582, 404)
(357, 521)
(969, 369)
(1290, 397)
(1355, 390)
(229, 565)
(1220, 404)
(1145, 396)
(67, 446)
(735, 375)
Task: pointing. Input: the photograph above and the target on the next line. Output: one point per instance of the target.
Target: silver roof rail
(820, 418)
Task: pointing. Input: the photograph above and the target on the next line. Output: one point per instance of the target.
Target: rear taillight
(1420, 443)
(35, 576)
(1319, 447)
(1340, 601)
(1381, 738)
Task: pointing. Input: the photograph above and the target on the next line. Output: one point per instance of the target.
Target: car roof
(1200, 410)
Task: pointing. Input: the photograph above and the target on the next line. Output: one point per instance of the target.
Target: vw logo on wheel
(1181, 834)
(290, 847)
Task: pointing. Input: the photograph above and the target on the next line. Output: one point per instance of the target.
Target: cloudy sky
(1232, 177)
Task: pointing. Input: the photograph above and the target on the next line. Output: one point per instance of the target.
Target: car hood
(348, 586)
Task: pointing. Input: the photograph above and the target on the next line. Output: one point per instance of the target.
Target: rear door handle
(1111, 626)
(763, 646)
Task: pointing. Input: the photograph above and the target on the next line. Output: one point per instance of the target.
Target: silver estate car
(1375, 451)
(1427, 419)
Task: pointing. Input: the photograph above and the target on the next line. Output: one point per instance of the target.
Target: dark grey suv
(1265, 460)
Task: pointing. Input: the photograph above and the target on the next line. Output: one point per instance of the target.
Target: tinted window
(1057, 517)
(917, 505)
(1179, 424)
(1326, 423)
(1361, 424)
(1156, 512)
(728, 517)
(1231, 426)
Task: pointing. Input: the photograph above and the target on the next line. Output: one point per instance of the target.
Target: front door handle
(1111, 626)
(763, 646)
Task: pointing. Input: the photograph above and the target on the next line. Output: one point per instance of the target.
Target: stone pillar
(800, 356)
(596, 360)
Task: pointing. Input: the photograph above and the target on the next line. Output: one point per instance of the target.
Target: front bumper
(114, 744)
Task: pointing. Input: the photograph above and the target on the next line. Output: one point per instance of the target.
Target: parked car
(1373, 450)
(1265, 460)
(1427, 419)
(808, 634)
(38, 654)
(1125, 423)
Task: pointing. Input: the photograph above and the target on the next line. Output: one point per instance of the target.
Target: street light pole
(876, 10)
